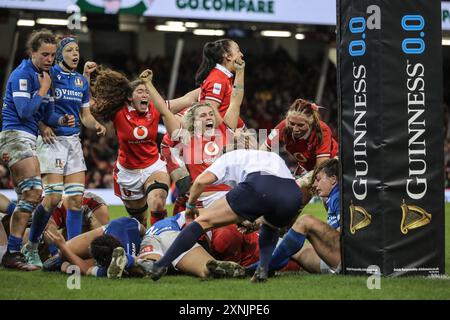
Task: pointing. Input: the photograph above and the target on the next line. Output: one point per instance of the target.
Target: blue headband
(62, 44)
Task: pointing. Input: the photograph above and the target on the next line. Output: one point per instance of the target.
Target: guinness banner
(391, 129)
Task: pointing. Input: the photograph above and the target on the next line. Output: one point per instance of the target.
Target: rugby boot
(32, 256)
(260, 275)
(118, 263)
(157, 272)
(16, 260)
(146, 265)
(53, 264)
(225, 269)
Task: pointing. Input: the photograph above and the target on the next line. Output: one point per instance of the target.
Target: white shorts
(16, 145)
(129, 184)
(209, 200)
(64, 156)
(158, 244)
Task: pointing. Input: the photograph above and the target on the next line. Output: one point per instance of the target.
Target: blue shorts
(279, 200)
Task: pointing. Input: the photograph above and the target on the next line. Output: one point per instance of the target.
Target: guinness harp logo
(359, 218)
(413, 217)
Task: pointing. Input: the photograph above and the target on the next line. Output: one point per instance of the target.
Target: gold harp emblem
(413, 217)
(359, 218)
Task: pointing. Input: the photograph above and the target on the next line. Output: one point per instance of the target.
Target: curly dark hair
(111, 91)
(102, 248)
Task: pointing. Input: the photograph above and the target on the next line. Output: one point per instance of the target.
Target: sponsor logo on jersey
(79, 82)
(211, 148)
(140, 132)
(217, 88)
(68, 94)
(23, 86)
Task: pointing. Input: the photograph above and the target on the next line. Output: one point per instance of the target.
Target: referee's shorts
(279, 200)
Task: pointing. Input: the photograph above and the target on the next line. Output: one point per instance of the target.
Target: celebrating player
(305, 137)
(140, 175)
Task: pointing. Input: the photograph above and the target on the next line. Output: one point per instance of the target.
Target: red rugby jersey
(202, 151)
(217, 87)
(306, 151)
(137, 135)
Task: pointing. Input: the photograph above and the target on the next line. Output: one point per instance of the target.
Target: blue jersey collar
(59, 69)
(333, 192)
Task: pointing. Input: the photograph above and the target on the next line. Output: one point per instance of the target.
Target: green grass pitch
(40, 285)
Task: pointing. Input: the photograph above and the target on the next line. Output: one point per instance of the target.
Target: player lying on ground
(195, 261)
(105, 251)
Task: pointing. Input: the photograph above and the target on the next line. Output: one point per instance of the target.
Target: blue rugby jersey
(174, 223)
(333, 208)
(127, 231)
(71, 94)
(23, 108)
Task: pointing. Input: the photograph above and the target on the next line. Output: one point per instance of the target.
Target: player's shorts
(158, 244)
(129, 184)
(16, 145)
(279, 200)
(205, 202)
(172, 157)
(64, 156)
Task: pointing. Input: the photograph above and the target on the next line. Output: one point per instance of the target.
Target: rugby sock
(40, 220)
(130, 261)
(14, 243)
(184, 241)
(11, 207)
(268, 238)
(53, 249)
(291, 243)
(74, 223)
(155, 216)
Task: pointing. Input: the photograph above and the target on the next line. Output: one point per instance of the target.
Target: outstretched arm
(179, 104)
(171, 122)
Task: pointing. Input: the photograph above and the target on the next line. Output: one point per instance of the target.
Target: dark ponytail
(212, 53)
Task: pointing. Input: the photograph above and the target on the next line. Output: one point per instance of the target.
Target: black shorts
(279, 200)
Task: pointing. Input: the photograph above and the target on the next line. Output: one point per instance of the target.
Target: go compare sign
(318, 12)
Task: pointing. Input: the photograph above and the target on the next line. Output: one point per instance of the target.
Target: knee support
(73, 189)
(54, 188)
(26, 206)
(156, 185)
(183, 185)
(28, 184)
(136, 212)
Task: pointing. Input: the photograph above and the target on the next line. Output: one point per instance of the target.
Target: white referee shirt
(234, 167)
